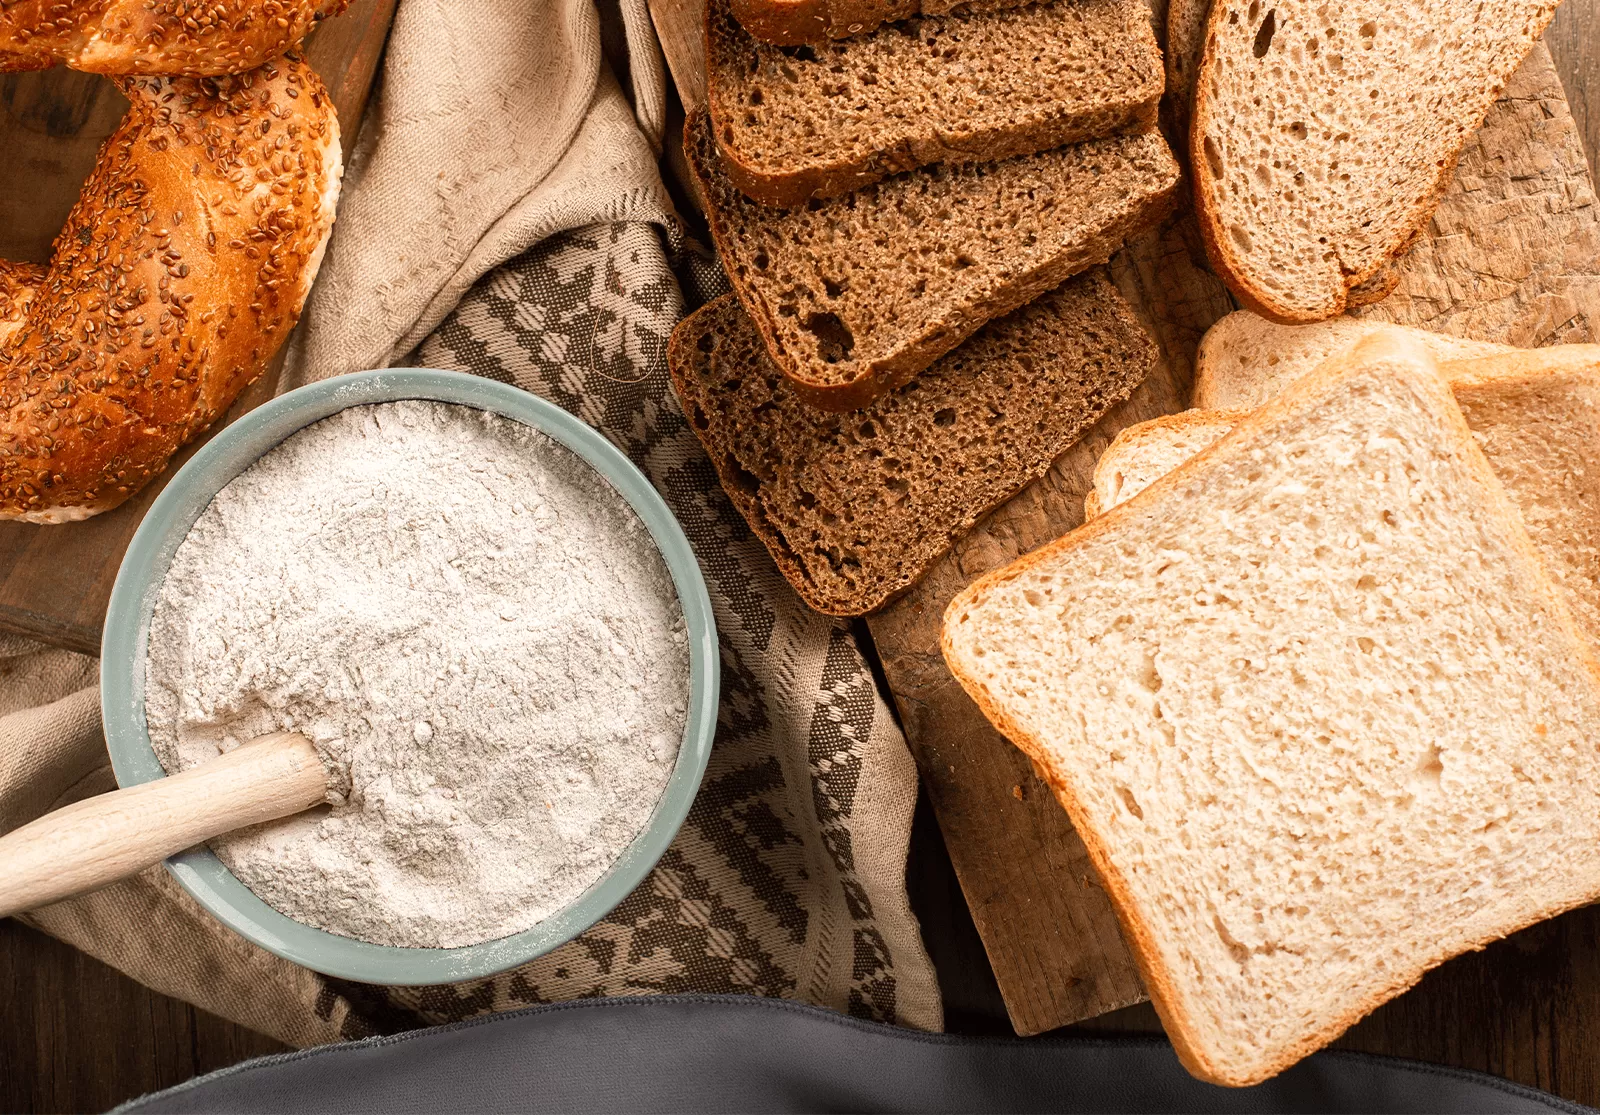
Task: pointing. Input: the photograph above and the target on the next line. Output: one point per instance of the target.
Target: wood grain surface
(1513, 254)
(55, 580)
(77, 1035)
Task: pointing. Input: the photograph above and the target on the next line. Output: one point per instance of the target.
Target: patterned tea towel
(503, 215)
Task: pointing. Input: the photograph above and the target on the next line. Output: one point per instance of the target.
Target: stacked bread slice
(1312, 699)
(1534, 413)
(898, 208)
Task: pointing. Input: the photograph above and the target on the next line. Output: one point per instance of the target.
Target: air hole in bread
(747, 481)
(1213, 157)
(1241, 236)
(1130, 803)
(1298, 129)
(1269, 27)
(834, 339)
(834, 289)
(945, 416)
(1430, 770)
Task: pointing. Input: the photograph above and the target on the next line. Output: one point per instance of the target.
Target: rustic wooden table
(78, 1036)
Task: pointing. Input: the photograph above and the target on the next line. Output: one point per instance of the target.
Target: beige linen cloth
(503, 215)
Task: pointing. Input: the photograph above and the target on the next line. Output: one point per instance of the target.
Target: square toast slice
(1314, 706)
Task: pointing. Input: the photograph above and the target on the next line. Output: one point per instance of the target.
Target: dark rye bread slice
(856, 295)
(800, 22)
(855, 508)
(802, 122)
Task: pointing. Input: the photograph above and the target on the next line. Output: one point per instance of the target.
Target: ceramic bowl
(138, 584)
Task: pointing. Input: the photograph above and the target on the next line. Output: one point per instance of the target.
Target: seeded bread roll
(1314, 707)
(798, 123)
(199, 37)
(856, 295)
(801, 22)
(855, 508)
(180, 272)
(1324, 134)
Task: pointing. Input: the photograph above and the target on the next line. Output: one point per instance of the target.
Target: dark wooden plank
(1526, 1008)
(55, 580)
(80, 1036)
(1574, 41)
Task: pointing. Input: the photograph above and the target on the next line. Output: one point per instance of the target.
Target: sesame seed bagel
(180, 272)
(199, 37)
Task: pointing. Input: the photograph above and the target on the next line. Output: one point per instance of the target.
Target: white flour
(478, 635)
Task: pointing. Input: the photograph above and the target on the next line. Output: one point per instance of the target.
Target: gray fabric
(725, 1053)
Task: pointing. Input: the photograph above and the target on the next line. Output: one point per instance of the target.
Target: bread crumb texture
(1317, 713)
(856, 507)
(856, 295)
(1325, 133)
(823, 120)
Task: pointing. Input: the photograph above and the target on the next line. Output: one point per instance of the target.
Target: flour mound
(478, 635)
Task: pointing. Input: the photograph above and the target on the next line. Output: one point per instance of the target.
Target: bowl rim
(144, 569)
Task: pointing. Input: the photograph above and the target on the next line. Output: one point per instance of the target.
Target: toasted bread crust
(1162, 984)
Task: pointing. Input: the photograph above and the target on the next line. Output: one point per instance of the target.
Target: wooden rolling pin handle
(95, 842)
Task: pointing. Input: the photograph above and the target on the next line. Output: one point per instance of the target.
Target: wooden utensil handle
(96, 842)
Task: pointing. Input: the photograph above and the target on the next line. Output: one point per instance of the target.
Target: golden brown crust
(196, 37)
(1515, 367)
(1160, 983)
(792, 189)
(1370, 284)
(179, 273)
(785, 22)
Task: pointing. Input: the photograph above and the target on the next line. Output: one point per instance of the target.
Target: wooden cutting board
(55, 580)
(1512, 255)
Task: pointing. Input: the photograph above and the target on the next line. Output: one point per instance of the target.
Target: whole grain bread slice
(856, 295)
(1313, 705)
(808, 22)
(795, 123)
(855, 508)
(1244, 359)
(1324, 133)
(1535, 414)
(1185, 39)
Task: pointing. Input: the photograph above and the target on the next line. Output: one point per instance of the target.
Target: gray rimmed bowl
(133, 601)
